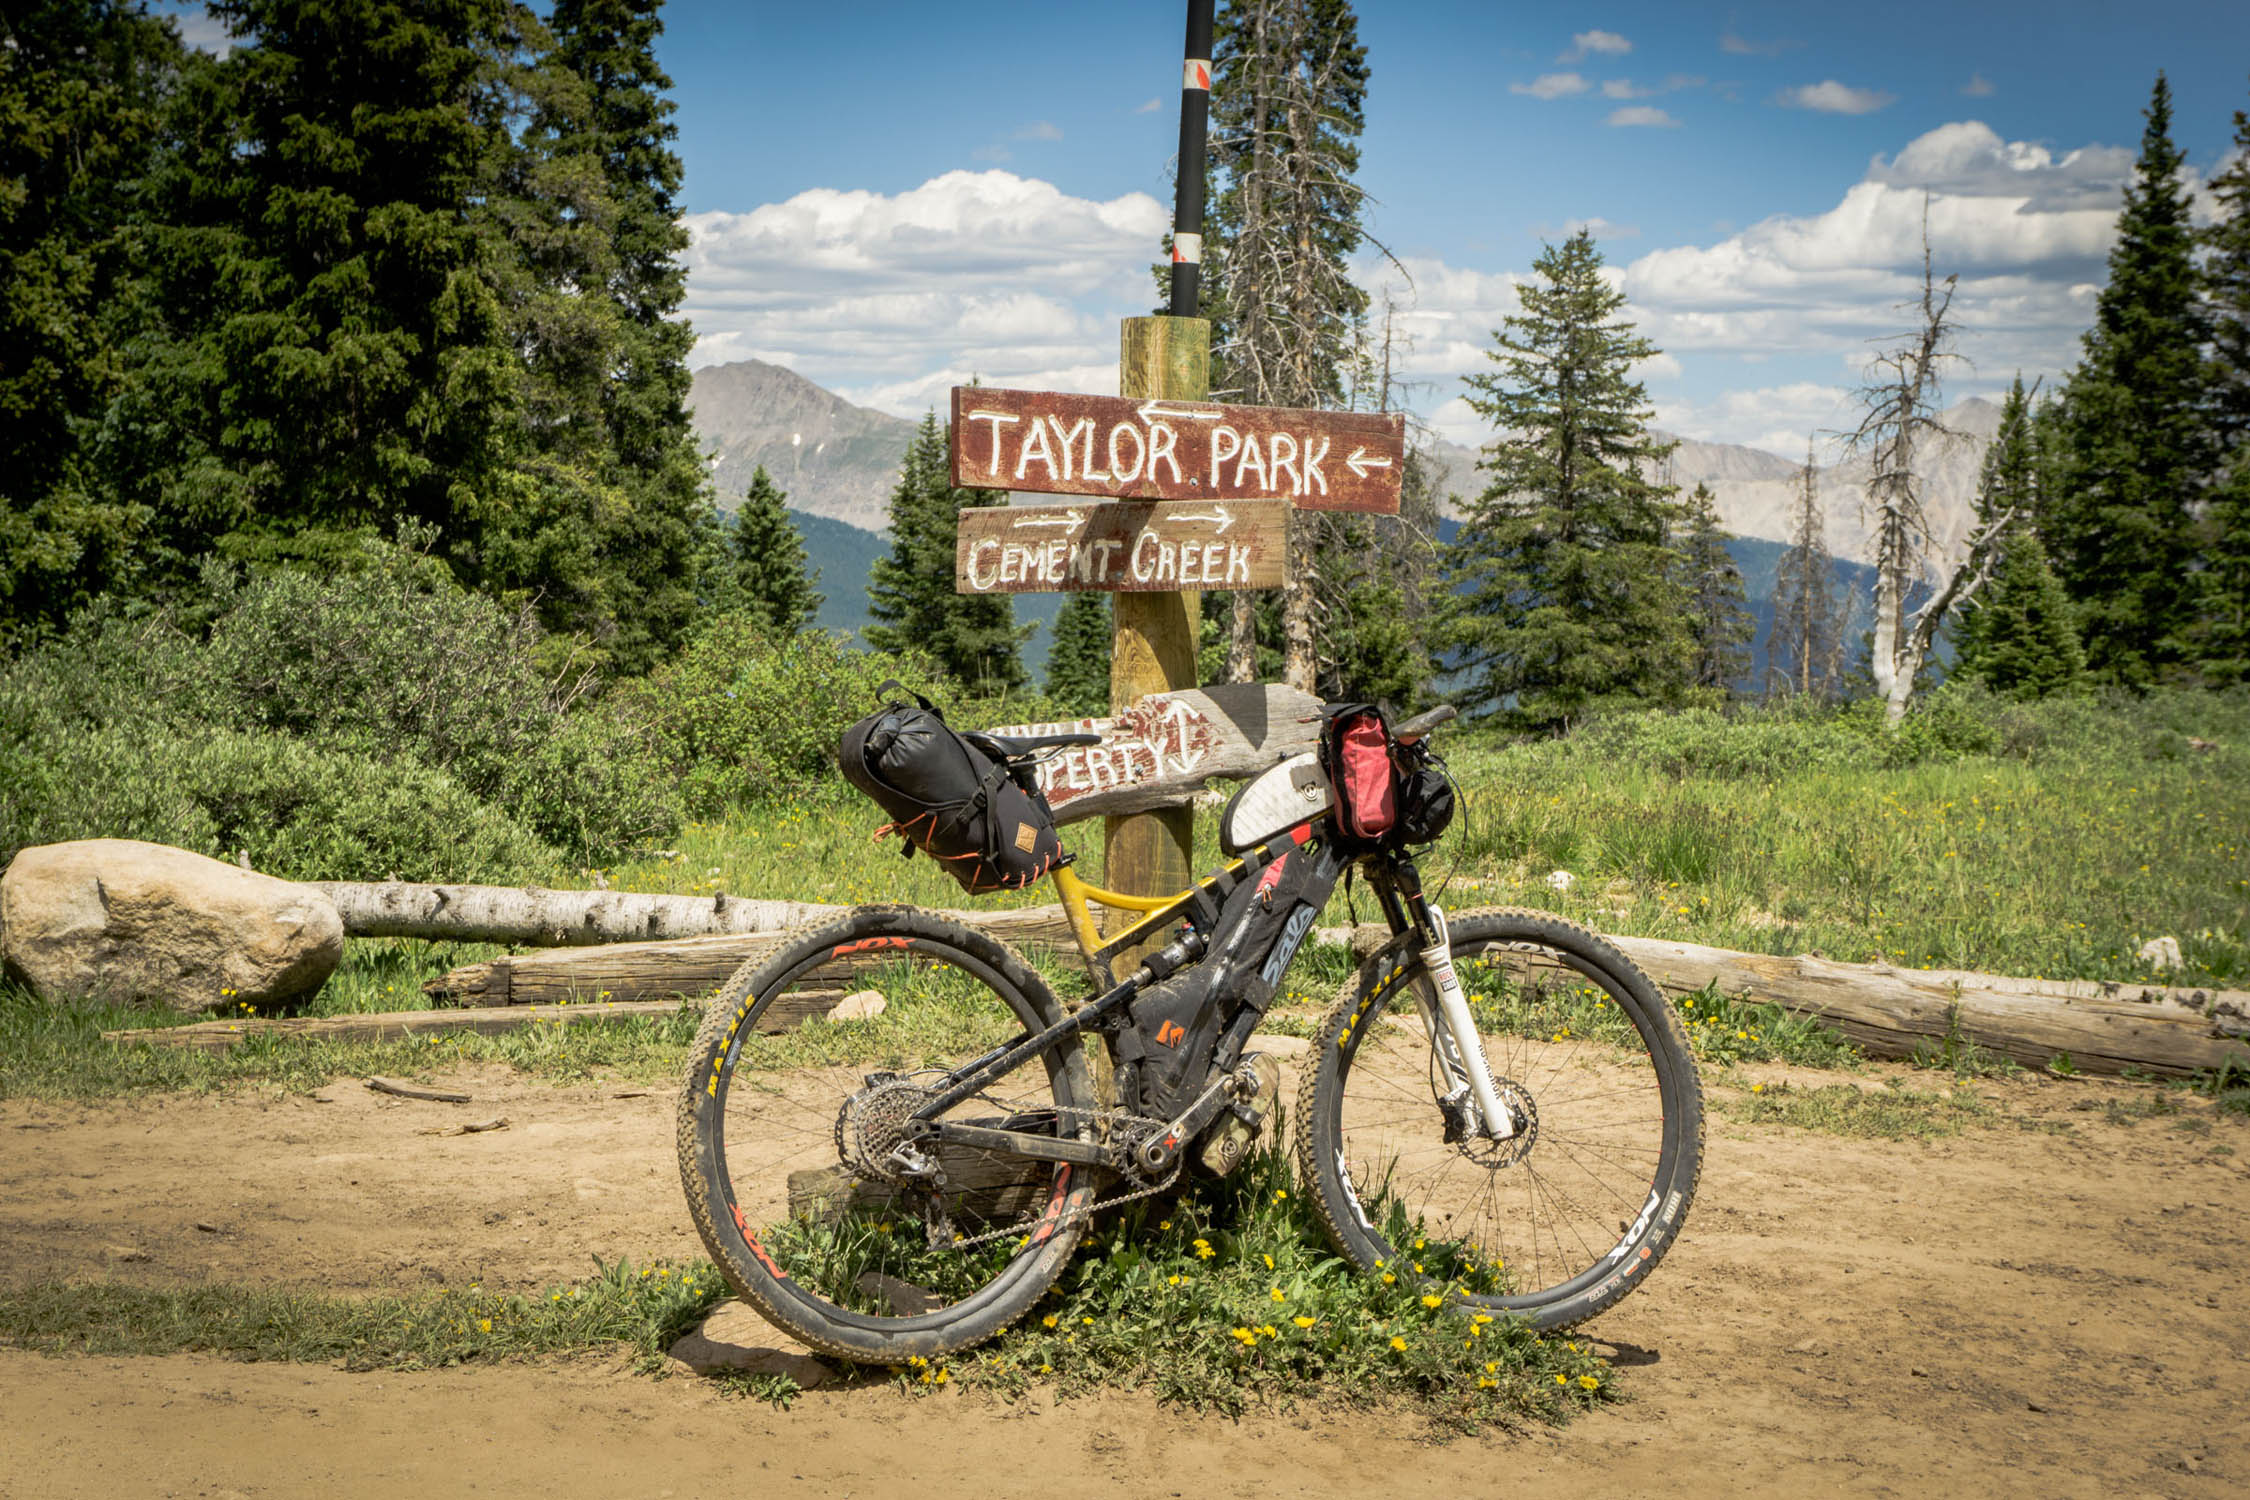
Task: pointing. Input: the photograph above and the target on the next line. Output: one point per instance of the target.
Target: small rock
(1560, 880)
(735, 1339)
(206, 1227)
(1809, 1346)
(862, 1005)
(1917, 1372)
(126, 1252)
(906, 1299)
(2162, 953)
(2035, 1406)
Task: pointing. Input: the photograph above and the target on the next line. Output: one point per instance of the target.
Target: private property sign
(1118, 448)
(1127, 547)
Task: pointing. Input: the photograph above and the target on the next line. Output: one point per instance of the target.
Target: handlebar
(1422, 723)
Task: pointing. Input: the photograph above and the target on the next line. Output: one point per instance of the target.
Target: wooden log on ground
(543, 918)
(790, 1010)
(982, 1187)
(689, 966)
(1890, 1012)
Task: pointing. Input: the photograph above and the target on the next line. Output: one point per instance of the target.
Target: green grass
(644, 1310)
(1893, 1112)
(1231, 1295)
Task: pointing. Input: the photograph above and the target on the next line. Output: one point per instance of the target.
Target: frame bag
(960, 805)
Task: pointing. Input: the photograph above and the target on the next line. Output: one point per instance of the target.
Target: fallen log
(544, 918)
(385, 1026)
(1889, 1012)
(689, 966)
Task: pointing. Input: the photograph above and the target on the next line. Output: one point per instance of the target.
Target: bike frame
(1397, 885)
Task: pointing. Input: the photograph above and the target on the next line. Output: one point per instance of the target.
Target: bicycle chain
(1118, 1117)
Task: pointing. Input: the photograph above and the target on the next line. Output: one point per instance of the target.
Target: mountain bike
(1503, 1087)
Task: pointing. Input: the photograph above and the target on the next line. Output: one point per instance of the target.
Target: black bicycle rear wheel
(784, 1136)
(1557, 1224)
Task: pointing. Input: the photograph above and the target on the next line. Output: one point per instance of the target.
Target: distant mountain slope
(1756, 491)
(833, 458)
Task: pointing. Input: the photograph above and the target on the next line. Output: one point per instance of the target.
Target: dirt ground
(2052, 1304)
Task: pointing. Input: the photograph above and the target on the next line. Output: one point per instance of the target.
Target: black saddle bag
(950, 799)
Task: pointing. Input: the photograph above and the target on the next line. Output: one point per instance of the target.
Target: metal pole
(1195, 120)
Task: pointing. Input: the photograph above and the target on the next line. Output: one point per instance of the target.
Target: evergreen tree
(2017, 635)
(1719, 612)
(769, 560)
(2135, 419)
(910, 594)
(330, 355)
(615, 521)
(83, 90)
(1288, 94)
(1805, 645)
(1564, 590)
(2226, 276)
(2221, 642)
(1078, 661)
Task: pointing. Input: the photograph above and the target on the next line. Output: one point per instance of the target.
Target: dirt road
(2052, 1304)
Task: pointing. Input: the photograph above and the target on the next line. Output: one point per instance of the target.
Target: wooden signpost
(1055, 443)
(1122, 547)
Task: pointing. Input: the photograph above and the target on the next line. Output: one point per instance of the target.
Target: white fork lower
(1453, 1032)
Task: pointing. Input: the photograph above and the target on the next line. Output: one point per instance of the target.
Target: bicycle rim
(1564, 1219)
(808, 1212)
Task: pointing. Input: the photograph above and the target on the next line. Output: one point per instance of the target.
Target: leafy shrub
(301, 812)
(425, 703)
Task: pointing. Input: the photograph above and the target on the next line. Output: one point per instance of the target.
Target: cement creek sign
(1127, 546)
(1117, 448)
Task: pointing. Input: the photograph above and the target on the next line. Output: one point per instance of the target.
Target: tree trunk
(2103, 1027)
(1300, 667)
(1242, 638)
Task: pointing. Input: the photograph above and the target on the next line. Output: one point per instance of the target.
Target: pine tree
(2017, 636)
(2135, 416)
(1719, 612)
(612, 462)
(1564, 590)
(331, 356)
(83, 90)
(1288, 95)
(771, 579)
(2221, 641)
(973, 637)
(2226, 279)
(1805, 645)
(1078, 661)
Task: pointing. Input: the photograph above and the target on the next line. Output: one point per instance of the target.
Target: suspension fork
(1445, 1015)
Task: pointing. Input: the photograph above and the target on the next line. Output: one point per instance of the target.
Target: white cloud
(973, 272)
(1551, 86)
(1623, 88)
(2025, 228)
(199, 29)
(1040, 130)
(1776, 418)
(1607, 43)
(1641, 114)
(1978, 87)
(1601, 229)
(1150, 108)
(1833, 98)
(1742, 46)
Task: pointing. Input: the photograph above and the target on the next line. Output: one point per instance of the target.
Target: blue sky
(891, 197)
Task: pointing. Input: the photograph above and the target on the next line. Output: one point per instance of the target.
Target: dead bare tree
(1901, 418)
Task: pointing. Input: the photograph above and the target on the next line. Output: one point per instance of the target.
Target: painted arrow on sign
(1055, 443)
(1134, 546)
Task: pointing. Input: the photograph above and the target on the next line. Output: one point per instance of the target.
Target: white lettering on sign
(1286, 466)
(1159, 739)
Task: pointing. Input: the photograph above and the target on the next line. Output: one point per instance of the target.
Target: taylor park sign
(1117, 448)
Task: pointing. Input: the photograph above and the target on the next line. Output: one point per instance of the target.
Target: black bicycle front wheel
(1558, 1223)
(789, 1129)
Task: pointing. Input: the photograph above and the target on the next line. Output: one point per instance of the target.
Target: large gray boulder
(126, 920)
